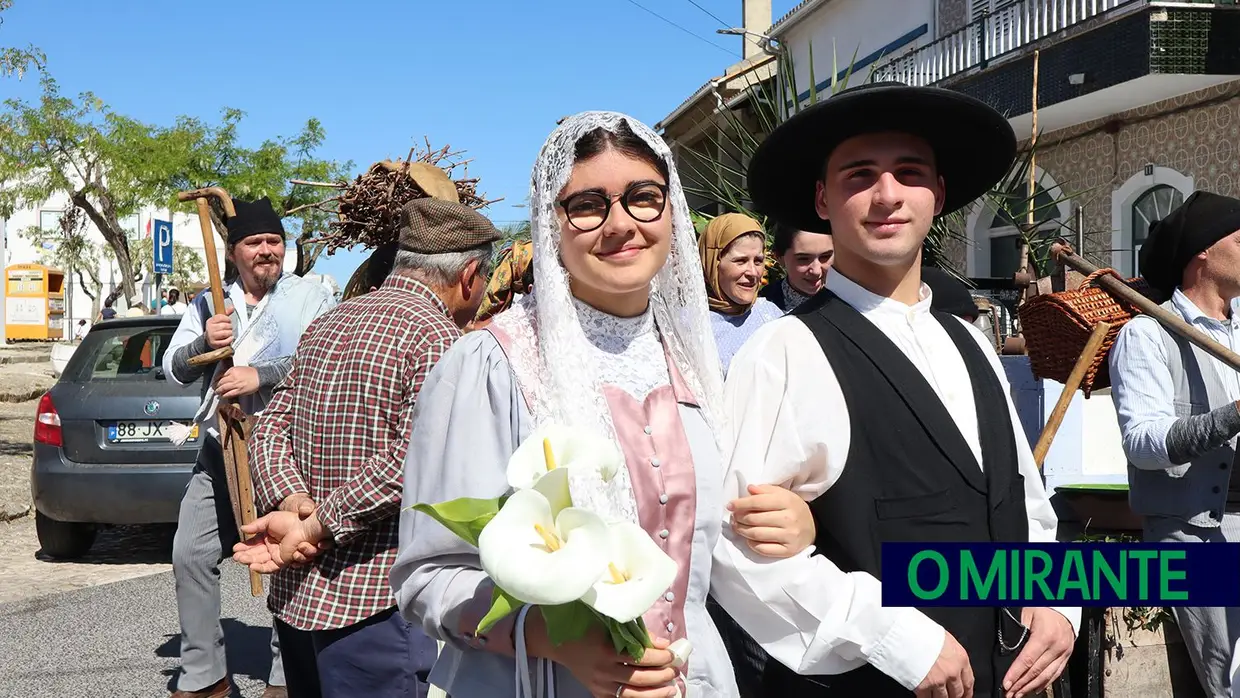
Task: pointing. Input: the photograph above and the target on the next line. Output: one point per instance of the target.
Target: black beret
(1202, 220)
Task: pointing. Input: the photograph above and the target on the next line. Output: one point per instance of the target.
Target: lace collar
(792, 297)
(605, 330)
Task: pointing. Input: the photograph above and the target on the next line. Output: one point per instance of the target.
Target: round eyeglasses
(588, 210)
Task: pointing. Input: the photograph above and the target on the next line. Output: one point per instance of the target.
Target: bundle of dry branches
(368, 208)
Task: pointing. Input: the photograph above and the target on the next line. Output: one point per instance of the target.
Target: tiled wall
(1197, 134)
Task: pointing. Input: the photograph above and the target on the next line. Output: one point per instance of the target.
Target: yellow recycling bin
(34, 302)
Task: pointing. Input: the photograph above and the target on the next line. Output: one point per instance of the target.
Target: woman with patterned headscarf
(732, 250)
(513, 276)
(614, 340)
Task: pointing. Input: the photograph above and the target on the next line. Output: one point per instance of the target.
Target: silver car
(102, 448)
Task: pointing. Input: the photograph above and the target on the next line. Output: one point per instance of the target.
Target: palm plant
(716, 172)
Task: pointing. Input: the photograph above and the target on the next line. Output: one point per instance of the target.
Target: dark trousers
(383, 656)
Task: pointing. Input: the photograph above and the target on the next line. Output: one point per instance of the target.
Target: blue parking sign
(161, 243)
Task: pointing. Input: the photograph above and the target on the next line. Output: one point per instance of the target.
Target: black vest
(910, 476)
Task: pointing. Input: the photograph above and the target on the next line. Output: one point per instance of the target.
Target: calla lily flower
(553, 448)
(541, 555)
(637, 573)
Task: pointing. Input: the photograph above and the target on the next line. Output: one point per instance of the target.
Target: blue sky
(490, 76)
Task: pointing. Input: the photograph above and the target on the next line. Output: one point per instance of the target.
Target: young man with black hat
(1178, 406)
(895, 421)
(266, 311)
(338, 430)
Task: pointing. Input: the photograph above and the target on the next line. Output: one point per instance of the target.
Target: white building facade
(17, 248)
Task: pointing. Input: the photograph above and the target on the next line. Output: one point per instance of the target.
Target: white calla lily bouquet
(579, 570)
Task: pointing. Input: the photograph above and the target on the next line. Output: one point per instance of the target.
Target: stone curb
(24, 395)
(6, 360)
(15, 503)
(13, 511)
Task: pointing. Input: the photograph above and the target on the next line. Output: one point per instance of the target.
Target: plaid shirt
(337, 429)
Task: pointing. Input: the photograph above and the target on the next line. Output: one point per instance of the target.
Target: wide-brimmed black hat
(973, 145)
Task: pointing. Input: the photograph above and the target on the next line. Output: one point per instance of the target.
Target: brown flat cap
(434, 226)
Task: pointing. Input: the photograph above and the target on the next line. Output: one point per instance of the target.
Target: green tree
(212, 155)
(79, 148)
(69, 248)
(18, 61)
(110, 165)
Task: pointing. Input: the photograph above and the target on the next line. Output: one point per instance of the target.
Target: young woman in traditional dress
(615, 337)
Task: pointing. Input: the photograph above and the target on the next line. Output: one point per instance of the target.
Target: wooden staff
(234, 430)
(200, 197)
(1063, 254)
(1075, 378)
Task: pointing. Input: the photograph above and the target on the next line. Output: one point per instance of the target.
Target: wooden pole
(232, 422)
(1022, 270)
(1063, 254)
(213, 269)
(1075, 378)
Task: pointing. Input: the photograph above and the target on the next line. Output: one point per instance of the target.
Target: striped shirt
(337, 429)
(1141, 384)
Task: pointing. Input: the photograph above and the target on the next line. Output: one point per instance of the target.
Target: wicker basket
(1057, 326)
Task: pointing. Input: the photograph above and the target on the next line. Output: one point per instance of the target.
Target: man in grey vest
(1178, 406)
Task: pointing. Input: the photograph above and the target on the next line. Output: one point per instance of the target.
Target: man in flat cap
(1177, 406)
(265, 313)
(895, 419)
(336, 432)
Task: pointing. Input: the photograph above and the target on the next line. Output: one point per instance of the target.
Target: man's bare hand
(1045, 654)
(219, 330)
(278, 540)
(951, 676)
(237, 381)
(300, 504)
(775, 522)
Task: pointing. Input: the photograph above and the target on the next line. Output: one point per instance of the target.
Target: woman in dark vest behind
(805, 258)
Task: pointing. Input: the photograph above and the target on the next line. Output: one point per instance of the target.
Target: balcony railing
(1007, 29)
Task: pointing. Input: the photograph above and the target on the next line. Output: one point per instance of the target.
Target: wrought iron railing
(1008, 28)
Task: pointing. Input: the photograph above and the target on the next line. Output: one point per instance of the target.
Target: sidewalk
(25, 374)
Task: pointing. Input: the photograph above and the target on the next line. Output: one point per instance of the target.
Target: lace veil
(550, 355)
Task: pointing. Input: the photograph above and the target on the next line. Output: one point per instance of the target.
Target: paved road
(120, 640)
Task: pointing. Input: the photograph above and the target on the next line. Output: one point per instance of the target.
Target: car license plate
(140, 432)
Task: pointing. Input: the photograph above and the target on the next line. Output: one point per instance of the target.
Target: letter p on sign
(162, 247)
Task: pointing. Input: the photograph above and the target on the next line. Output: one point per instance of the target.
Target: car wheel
(63, 539)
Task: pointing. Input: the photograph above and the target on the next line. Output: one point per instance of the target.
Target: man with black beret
(337, 432)
(895, 420)
(265, 312)
(1177, 406)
